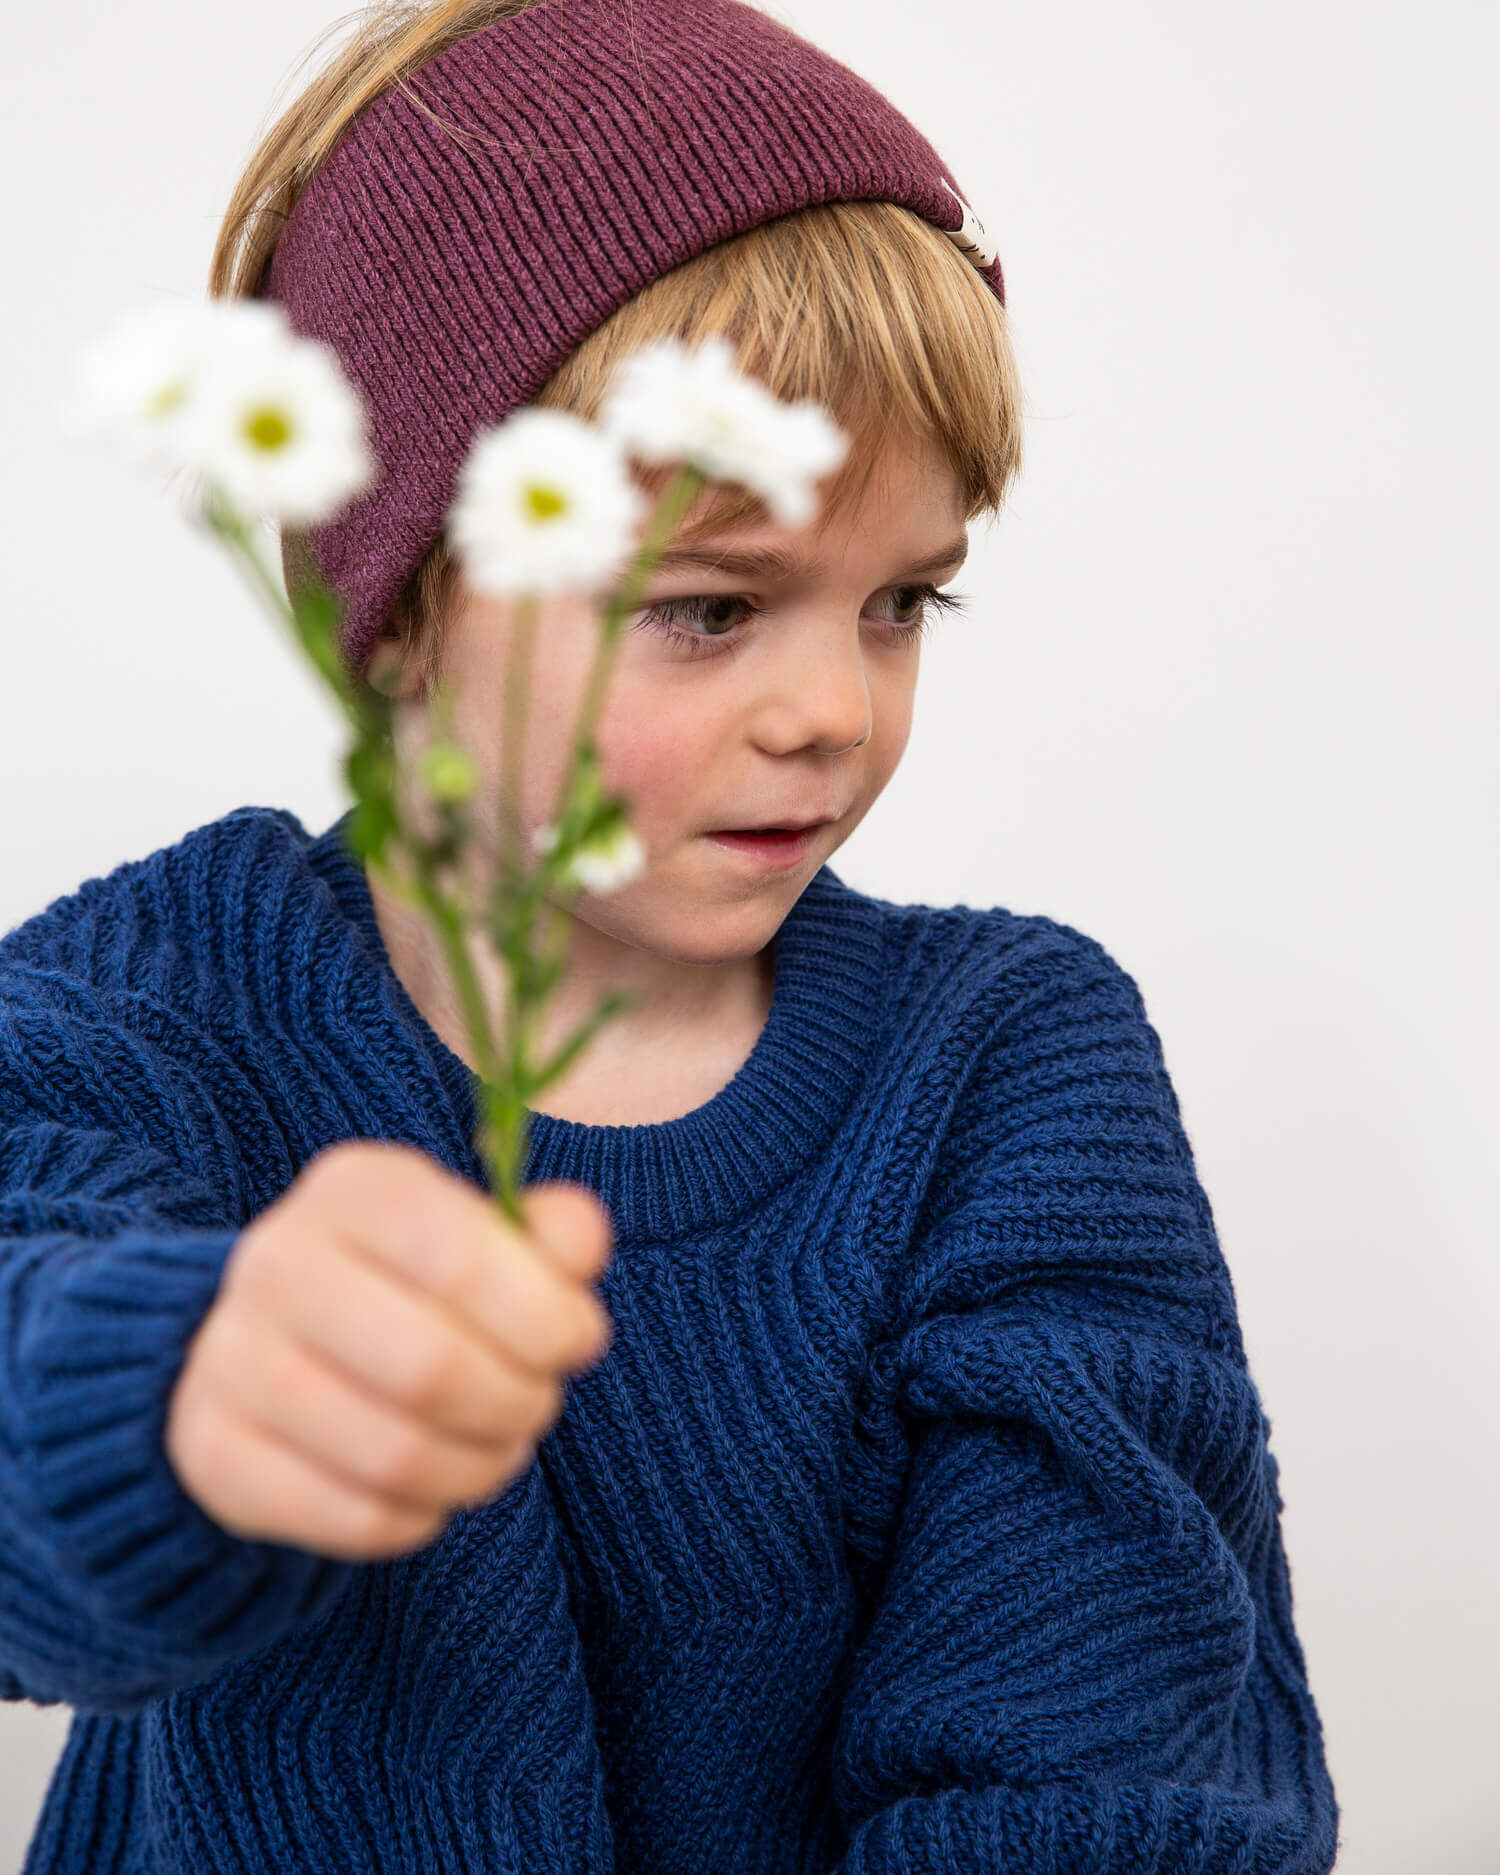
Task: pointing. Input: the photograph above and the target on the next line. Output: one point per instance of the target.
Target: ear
(393, 667)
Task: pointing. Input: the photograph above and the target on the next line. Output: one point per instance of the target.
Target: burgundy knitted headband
(583, 148)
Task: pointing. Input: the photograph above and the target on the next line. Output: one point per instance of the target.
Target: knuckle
(587, 1337)
(200, 1437)
(404, 1463)
(254, 1364)
(598, 1329)
(355, 1172)
(450, 1266)
(422, 1381)
(372, 1524)
(546, 1408)
(518, 1456)
(216, 1356)
(263, 1261)
(328, 1169)
(565, 1326)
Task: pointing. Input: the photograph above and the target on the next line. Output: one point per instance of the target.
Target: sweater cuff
(98, 1357)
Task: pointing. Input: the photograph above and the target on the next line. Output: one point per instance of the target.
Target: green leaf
(316, 612)
(370, 828)
(370, 768)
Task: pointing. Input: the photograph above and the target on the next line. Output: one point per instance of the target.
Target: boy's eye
(716, 613)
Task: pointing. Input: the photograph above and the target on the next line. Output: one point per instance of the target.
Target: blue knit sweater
(920, 1518)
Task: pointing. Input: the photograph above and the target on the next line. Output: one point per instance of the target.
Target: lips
(789, 826)
(761, 846)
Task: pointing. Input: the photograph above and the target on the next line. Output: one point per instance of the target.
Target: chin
(731, 931)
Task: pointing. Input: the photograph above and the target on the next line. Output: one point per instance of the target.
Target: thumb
(571, 1224)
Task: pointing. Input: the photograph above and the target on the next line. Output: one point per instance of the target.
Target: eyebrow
(774, 563)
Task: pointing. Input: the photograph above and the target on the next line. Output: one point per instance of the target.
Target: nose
(814, 691)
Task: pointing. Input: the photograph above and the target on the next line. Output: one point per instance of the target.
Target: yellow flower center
(267, 428)
(544, 504)
(166, 399)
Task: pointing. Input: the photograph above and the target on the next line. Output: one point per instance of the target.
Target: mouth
(768, 846)
(782, 826)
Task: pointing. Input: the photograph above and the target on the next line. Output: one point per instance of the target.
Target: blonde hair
(863, 306)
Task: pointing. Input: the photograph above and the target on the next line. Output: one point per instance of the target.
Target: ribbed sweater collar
(706, 1167)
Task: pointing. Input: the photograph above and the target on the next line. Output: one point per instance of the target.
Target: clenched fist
(384, 1349)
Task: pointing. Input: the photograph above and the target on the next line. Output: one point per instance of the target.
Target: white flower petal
(278, 428)
(669, 403)
(132, 382)
(608, 864)
(179, 385)
(545, 503)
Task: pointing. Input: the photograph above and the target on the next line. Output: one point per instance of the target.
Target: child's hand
(384, 1349)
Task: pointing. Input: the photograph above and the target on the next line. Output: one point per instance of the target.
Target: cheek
(554, 694)
(656, 746)
(892, 699)
(656, 759)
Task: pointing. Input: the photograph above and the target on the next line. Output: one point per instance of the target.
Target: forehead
(904, 484)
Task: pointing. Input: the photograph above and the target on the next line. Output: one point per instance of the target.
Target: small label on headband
(969, 236)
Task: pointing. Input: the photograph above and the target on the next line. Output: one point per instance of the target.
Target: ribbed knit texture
(473, 227)
(920, 1518)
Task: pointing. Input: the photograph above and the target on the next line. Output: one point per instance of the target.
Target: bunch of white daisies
(226, 390)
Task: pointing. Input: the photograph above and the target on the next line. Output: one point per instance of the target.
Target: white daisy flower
(668, 403)
(227, 388)
(132, 384)
(610, 860)
(545, 503)
(274, 424)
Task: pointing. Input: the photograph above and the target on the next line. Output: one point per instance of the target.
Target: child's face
(800, 710)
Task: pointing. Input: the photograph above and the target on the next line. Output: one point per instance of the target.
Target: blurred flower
(610, 859)
(671, 404)
(545, 503)
(226, 388)
(450, 772)
(131, 384)
(275, 425)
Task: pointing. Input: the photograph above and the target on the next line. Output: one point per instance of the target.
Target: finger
(398, 1343)
(571, 1225)
(279, 1496)
(442, 1237)
(284, 1389)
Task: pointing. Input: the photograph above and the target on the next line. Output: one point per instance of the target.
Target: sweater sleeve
(121, 1196)
(1079, 1654)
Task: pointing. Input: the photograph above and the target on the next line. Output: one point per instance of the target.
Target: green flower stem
(512, 1120)
(313, 618)
(607, 1007)
(678, 498)
(500, 1138)
(507, 1082)
(516, 919)
(517, 688)
(221, 519)
(305, 620)
(502, 1129)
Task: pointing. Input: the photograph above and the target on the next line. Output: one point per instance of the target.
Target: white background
(1225, 697)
